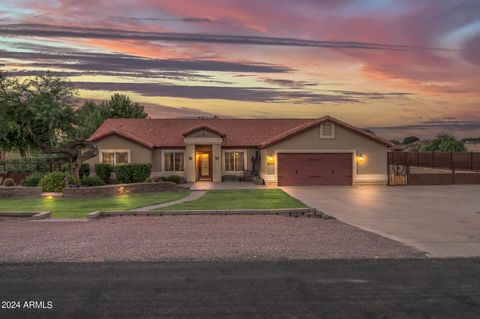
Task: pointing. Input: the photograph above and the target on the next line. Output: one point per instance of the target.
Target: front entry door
(205, 165)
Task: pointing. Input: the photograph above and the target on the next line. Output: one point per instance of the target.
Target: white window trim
(327, 136)
(100, 155)
(173, 151)
(245, 164)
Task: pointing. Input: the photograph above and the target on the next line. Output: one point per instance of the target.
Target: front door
(205, 165)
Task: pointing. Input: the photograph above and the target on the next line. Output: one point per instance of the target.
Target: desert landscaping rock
(193, 238)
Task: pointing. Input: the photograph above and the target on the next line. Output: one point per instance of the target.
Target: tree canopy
(39, 112)
(92, 114)
(445, 142)
(409, 140)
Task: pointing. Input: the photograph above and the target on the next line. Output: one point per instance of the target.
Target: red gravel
(192, 237)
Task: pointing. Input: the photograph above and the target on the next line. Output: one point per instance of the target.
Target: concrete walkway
(193, 196)
(204, 185)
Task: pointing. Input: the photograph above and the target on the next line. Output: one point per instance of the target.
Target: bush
(156, 179)
(55, 182)
(84, 170)
(175, 179)
(92, 181)
(32, 180)
(8, 182)
(103, 171)
(133, 173)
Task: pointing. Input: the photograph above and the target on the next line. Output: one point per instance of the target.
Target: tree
(92, 115)
(39, 112)
(369, 131)
(120, 106)
(445, 142)
(410, 139)
(395, 141)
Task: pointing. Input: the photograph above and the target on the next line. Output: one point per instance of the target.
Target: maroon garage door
(314, 169)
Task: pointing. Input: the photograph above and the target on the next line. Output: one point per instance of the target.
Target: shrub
(8, 182)
(84, 170)
(156, 179)
(175, 179)
(92, 181)
(133, 173)
(103, 171)
(32, 180)
(55, 182)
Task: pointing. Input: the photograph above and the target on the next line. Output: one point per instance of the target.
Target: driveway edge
(294, 212)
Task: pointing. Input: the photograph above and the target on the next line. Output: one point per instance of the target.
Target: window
(234, 161)
(115, 157)
(174, 161)
(327, 130)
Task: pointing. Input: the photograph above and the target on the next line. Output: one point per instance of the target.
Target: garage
(309, 169)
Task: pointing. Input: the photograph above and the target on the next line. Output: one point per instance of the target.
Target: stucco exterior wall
(372, 169)
(139, 153)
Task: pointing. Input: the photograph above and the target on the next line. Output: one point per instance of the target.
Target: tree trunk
(75, 170)
(77, 152)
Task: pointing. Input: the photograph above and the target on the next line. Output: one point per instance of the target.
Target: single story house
(321, 151)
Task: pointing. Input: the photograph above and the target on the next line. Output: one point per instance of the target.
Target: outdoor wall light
(361, 157)
(270, 159)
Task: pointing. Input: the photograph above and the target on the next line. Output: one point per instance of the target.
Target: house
(322, 151)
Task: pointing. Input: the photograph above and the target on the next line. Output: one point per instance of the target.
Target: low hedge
(8, 182)
(55, 182)
(84, 170)
(103, 171)
(175, 179)
(92, 181)
(32, 180)
(133, 173)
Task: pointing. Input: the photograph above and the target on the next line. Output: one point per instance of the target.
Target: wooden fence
(442, 168)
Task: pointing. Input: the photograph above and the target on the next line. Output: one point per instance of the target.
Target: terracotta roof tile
(237, 132)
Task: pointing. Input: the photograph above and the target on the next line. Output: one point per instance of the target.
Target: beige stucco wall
(138, 153)
(156, 161)
(372, 169)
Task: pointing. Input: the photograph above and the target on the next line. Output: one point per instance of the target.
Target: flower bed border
(121, 189)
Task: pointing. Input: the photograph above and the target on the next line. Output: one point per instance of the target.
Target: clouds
(121, 63)
(374, 63)
(54, 31)
(438, 125)
(245, 94)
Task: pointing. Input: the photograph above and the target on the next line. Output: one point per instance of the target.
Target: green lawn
(77, 208)
(241, 199)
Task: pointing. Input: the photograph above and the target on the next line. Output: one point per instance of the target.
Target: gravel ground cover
(192, 238)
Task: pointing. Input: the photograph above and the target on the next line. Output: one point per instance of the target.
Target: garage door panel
(314, 169)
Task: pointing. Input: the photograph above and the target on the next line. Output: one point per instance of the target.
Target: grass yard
(241, 199)
(77, 208)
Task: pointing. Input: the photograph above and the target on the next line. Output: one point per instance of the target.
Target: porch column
(217, 163)
(190, 163)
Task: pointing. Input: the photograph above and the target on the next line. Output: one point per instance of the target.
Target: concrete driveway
(444, 221)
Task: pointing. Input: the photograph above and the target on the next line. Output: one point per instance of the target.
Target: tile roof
(237, 132)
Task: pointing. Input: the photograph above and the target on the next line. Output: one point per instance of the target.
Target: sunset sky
(399, 67)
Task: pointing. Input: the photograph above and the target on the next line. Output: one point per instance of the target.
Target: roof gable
(245, 133)
(306, 126)
(202, 129)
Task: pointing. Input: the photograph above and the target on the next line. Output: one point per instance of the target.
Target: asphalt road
(394, 288)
